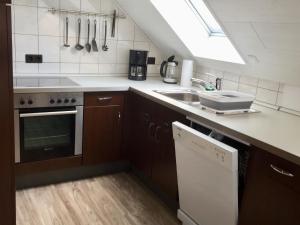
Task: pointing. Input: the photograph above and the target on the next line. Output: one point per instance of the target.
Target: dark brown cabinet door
(103, 131)
(152, 150)
(164, 171)
(141, 133)
(7, 188)
(271, 197)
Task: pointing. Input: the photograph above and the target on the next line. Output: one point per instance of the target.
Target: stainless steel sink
(187, 96)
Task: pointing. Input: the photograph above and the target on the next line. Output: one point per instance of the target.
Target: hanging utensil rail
(53, 11)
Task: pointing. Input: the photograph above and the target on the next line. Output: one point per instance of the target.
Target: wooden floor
(109, 200)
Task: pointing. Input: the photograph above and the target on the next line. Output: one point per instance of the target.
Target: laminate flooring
(118, 199)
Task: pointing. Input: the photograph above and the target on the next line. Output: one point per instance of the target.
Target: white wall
(36, 31)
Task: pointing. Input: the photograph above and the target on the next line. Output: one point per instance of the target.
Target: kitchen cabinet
(272, 192)
(152, 150)
(140, 146)
(7, 187)
(164, 172)
(103, 118)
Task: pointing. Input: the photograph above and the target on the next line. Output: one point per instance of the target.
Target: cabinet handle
(101, 99)
(119, 116)
(156, 138)
(151, 125)
(8, 5)
(147, 117)
(281, 171)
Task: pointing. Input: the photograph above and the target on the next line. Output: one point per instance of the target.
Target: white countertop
(274, 131)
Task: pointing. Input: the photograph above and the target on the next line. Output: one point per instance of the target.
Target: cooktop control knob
(66, 100)
(52, 101)
(30, 102)
(73, 100)
(59, 101)
(22, 102)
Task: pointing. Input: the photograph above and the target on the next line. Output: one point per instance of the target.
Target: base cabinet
(103, 119)
(272, 193)
(152, 149)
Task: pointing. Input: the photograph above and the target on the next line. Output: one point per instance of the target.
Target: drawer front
(104, 99)
(280, 170)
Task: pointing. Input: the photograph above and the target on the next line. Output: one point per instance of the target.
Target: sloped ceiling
(266, 33)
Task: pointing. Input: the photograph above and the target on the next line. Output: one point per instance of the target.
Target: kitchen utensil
(88, 45)
(168, 70)
(94, 43)
(104, 46)
(78, 46)
(66, 44)
(113, 26)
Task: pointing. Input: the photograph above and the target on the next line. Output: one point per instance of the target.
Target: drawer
(104, 99)
(279, 170)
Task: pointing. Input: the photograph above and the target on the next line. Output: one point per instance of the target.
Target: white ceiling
(266, 29)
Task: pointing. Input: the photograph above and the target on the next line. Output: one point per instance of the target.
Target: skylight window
(201, 10)
(197, 28)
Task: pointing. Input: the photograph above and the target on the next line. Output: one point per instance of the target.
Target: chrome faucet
(209, 85)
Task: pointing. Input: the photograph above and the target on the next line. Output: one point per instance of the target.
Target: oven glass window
(47, 137)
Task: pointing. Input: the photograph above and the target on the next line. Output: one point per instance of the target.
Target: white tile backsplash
(141, 45)
(25, 2)
(69, 68)
(271, 93)
(22, 67)
(266, 96)
(48, 22)
(37, 31)
(249, 80)
(139, 35)
(270, 85)
(49, 48)
(70, 4)
(123, 48)
(25, 44)
(48, 3)
(107, 69)
(91, 5)
(89, 68)
(49, 68)
(126, 30)
(26, 21)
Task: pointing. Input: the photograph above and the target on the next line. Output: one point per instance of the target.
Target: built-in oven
(48, 126)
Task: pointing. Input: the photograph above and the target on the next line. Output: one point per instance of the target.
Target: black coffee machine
(138, 65)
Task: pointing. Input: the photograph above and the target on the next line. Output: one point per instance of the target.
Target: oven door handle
(58, 113)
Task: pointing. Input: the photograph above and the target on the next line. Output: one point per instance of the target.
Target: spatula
(88, 45)
(94, 43)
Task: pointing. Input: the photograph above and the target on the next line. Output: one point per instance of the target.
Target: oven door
(48, 133)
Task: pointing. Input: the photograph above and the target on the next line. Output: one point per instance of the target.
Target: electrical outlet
(151, 60)
(30, 58)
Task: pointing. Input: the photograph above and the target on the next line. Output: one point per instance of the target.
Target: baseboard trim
(70, 174)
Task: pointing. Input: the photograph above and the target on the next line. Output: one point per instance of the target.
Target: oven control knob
(22, 102)
(52, 101)
(66, 100)
(30, 102)
(59, 101)
(73, 100)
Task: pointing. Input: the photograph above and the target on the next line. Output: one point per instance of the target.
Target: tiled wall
(273, 94)
(37, 31)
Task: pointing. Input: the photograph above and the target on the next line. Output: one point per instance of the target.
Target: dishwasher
(211, 171)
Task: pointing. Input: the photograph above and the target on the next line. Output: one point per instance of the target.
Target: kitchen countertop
(274, 131)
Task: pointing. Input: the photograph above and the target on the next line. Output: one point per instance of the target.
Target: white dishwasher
(207, 171)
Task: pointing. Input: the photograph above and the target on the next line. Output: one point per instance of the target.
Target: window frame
(203, 21)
